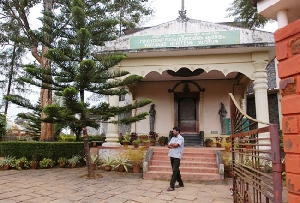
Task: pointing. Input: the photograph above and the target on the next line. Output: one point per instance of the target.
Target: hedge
(41, 150)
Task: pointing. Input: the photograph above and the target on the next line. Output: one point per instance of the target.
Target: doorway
(187, 112)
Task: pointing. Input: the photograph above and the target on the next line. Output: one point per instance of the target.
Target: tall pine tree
(245, 13)
(76, 71)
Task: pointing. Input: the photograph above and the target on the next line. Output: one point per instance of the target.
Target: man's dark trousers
(175, 163)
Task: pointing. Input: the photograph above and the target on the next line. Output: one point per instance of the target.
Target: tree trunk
(10, 77)
(91, 173)
(47, 129)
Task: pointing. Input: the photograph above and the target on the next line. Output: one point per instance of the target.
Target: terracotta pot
(248, 146)
(136, 168)
(121, 168)
(73, 165)
(34, 165)
(162, 144)
(125, 144)
(61, 165)
(94, 166)
(218, 144)
(136, 145)
(146, 144)
(5, 167)
(107, 168)
(152, 143)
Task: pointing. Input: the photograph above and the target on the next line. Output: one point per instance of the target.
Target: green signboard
(186, 40)
(228, 127)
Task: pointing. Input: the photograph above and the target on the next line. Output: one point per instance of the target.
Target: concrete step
(185, 163)
(197, 163)
(154, 175)
(183, 169)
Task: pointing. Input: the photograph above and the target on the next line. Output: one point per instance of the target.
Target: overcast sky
(210, 11)
(167, 10)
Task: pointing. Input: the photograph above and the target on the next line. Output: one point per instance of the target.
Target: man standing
(176, 145)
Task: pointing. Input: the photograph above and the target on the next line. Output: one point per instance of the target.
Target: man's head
(176, 131)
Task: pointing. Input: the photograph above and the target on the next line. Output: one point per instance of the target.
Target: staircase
(192, 140)
(196, 164)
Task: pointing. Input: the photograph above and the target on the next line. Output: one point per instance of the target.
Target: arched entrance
(187, 106)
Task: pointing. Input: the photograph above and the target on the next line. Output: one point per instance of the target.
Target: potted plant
(219, 141)
(7, 162)
(163, 140)
(94, 161)
(122, 163)
(62, 161)
(136, 143)
(46, 163)
(153, 136)
(108, 162)
(208, 142)
(74, 160)
(126, 139)
(136, 156)
(21, 163)
(33, 164)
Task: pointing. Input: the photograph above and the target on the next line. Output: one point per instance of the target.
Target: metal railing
(256, 158)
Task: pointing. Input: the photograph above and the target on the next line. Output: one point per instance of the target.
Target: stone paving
(64, 185)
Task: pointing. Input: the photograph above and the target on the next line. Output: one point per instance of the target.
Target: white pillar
(260, 90)
(112, 129)
(282, 18)
(261, 99)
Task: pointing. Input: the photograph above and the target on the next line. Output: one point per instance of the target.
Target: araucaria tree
(246, 14)
(81, 26)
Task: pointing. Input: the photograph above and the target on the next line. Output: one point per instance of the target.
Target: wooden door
(187, 111)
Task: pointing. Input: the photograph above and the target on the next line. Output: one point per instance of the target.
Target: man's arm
(173, 145)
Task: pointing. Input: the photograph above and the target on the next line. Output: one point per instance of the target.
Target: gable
(193, 33)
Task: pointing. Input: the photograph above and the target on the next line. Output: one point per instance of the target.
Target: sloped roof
(190, 33)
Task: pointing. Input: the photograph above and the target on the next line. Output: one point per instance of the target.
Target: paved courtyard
(66, 185)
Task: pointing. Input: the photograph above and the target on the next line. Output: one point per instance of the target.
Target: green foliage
(21, 163)
(7, 160)
(122, 160)
(46, 163)
(163, 139)
(245, 14)
(75, 159)
(129, 13)
(2, 126)
(97, 138)
(67, 138)
(40, 150)
(136, 156)
(108, 160)
(62, 160)
(94, 158)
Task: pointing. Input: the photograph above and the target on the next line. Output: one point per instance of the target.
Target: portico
(189, 67)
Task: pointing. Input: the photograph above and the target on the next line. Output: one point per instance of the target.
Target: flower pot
(146, 144)
(107, 168)
(162, 144)
(61, 165)
(34, 165)
(121, 168)
(152, 143)
(136, 168)
(93, 166)
(73, 165)
(218, 144)
(136, 145)
(5, 167)
(125, 144)
(208, 144)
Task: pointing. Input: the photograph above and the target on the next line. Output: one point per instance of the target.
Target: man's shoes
(170, 189)
(178, 186)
